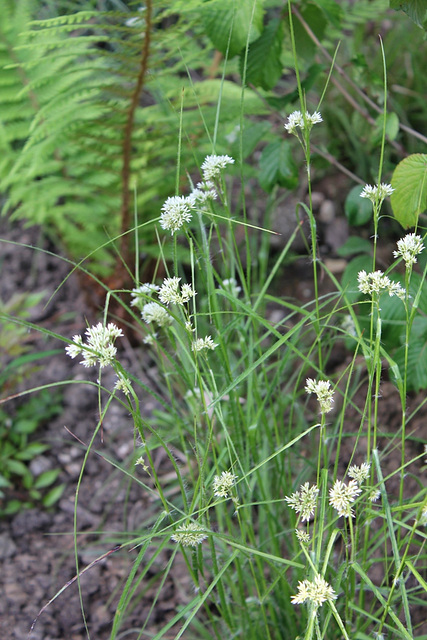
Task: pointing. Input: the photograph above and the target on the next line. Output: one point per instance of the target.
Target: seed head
(170, 293)
(99, 348)
(316, 592)
(373, 283)
(189, 535)
(304, 501)
(223, 484)
(409, 247)
(359, 473)
(154, 312)
(296, 119)
(213, 165)
(324, 393)
(377, 193)
(341, 497)
(175, 212)
(203, 343)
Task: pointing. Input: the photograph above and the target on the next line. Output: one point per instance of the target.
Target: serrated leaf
(332, 10)
(317, 22)
(264, 66)
(409, 180)
(414, 9)
(357, 210)
(277, 166)
(238, 17)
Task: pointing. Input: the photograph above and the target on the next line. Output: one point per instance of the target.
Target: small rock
(7, 546)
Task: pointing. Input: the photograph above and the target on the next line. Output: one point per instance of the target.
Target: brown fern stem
(127, 140)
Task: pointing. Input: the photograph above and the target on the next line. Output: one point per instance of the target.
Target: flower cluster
(324, 393)
(296, 119)
(202, 194)
(377, 193)
(140, 294)
(123, 384)
(342, 496)
(175, 211)
(154, 312)
(213, 165)
(230, 285)
(223, 484)
(304, 500)
(317, 592)
(169, 292)
(189, 535)
(203, 343)
(359, 474)
(372, 283)
(409, 247)
(99, 348)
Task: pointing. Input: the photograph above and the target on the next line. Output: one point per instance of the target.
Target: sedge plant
(281, 535)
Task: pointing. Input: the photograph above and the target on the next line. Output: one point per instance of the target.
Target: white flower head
(189, 535)
(123, 384)
(423, 517)
(99, 348)
(230, 285)
(409, 247)
(214, 165)
(203, 343)
(139, 294)
(150, 338)
(317, 592)
(302, 536)
(175, 212)
(374, 495)
(360, 473)
(304, 501)
(373, 283)
(296, 120)
(202, 194)
(154, 312)
(223, 484)
(377, 193)
(170, 293)
(342, 496)
(323, 392)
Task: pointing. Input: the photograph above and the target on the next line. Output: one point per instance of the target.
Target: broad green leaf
(409, 180)
(240, 18)
(415, 9)
(358, 210)
(264, 66)
(16, 467)
(353, 246)
(417, 362)
(53, 495)
(332, 10)
(317, 22)
(31, 450)
(277, 166)
(391, 127)
(46, 478)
